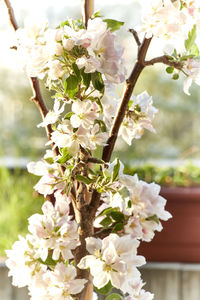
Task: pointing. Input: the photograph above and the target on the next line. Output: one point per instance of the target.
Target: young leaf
(71, 86)
(107, 211)
(106, 222)
(194, 50)
(113, 24)
(68, 115)
(117, 216)
(102, 125)
(97, 14)
(65, 156)
(84, 179)
(48, 262)
(191, 38)
(153, 218)
(65, 23)
(116, 170)
(76, 71)
(86, 78)
(104, 290)
(97, 81)
(118, 227)
(114, 297)
(49, 160)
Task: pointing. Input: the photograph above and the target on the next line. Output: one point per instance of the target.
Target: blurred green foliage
(185, 175)
(17, 203)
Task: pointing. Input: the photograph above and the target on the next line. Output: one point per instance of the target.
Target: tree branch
(11, 14)
(164, 60)
(87, 10)
(37, 96)
(136, 37)
(130, 84)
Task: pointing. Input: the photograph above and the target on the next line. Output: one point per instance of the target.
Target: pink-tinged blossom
(65, 282)
(192, 69)
(53, 115)
(65, 136)
(162, 19)
(97, 137)
(108, 259)
(143, 295)
(85, 113)
(16, 263)
(105, 55)
(139, 117)
(56, 70)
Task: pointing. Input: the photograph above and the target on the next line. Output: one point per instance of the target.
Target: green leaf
(118, 227)
(71, 86)
(84, 179)
(114, 297)
(65, 23)
(104, 290)
(129, 204)
(113, 24)
(97, 81)
(191, 38)
(97, 14)
(48, 262)
(65, 156)
(175, 76)
(194, 50)
(106, 222)
(185, 57)
(170, 70)
(130, 104)
(49, 160)
(102, 125)
(153, 218)
(115, 172)
(117, 216)
(86, 78)
(107, 211)
(76, 71)
(68, 115)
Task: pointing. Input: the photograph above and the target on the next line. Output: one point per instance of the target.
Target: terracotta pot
(180, 238)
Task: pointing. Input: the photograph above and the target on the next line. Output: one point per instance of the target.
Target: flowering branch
(164, 60)
(37, 96)
(77, 59)
(130, 84)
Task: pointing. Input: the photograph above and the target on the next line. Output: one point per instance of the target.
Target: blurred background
(177, 123)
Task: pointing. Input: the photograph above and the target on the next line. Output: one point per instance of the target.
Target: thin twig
(11, 14)
(136, 37)
(164, 60)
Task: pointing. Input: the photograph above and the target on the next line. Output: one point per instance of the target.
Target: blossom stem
(164, 60)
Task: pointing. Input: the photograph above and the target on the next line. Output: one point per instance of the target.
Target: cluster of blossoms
(81, 65)
(42, 260)
(176, 23)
